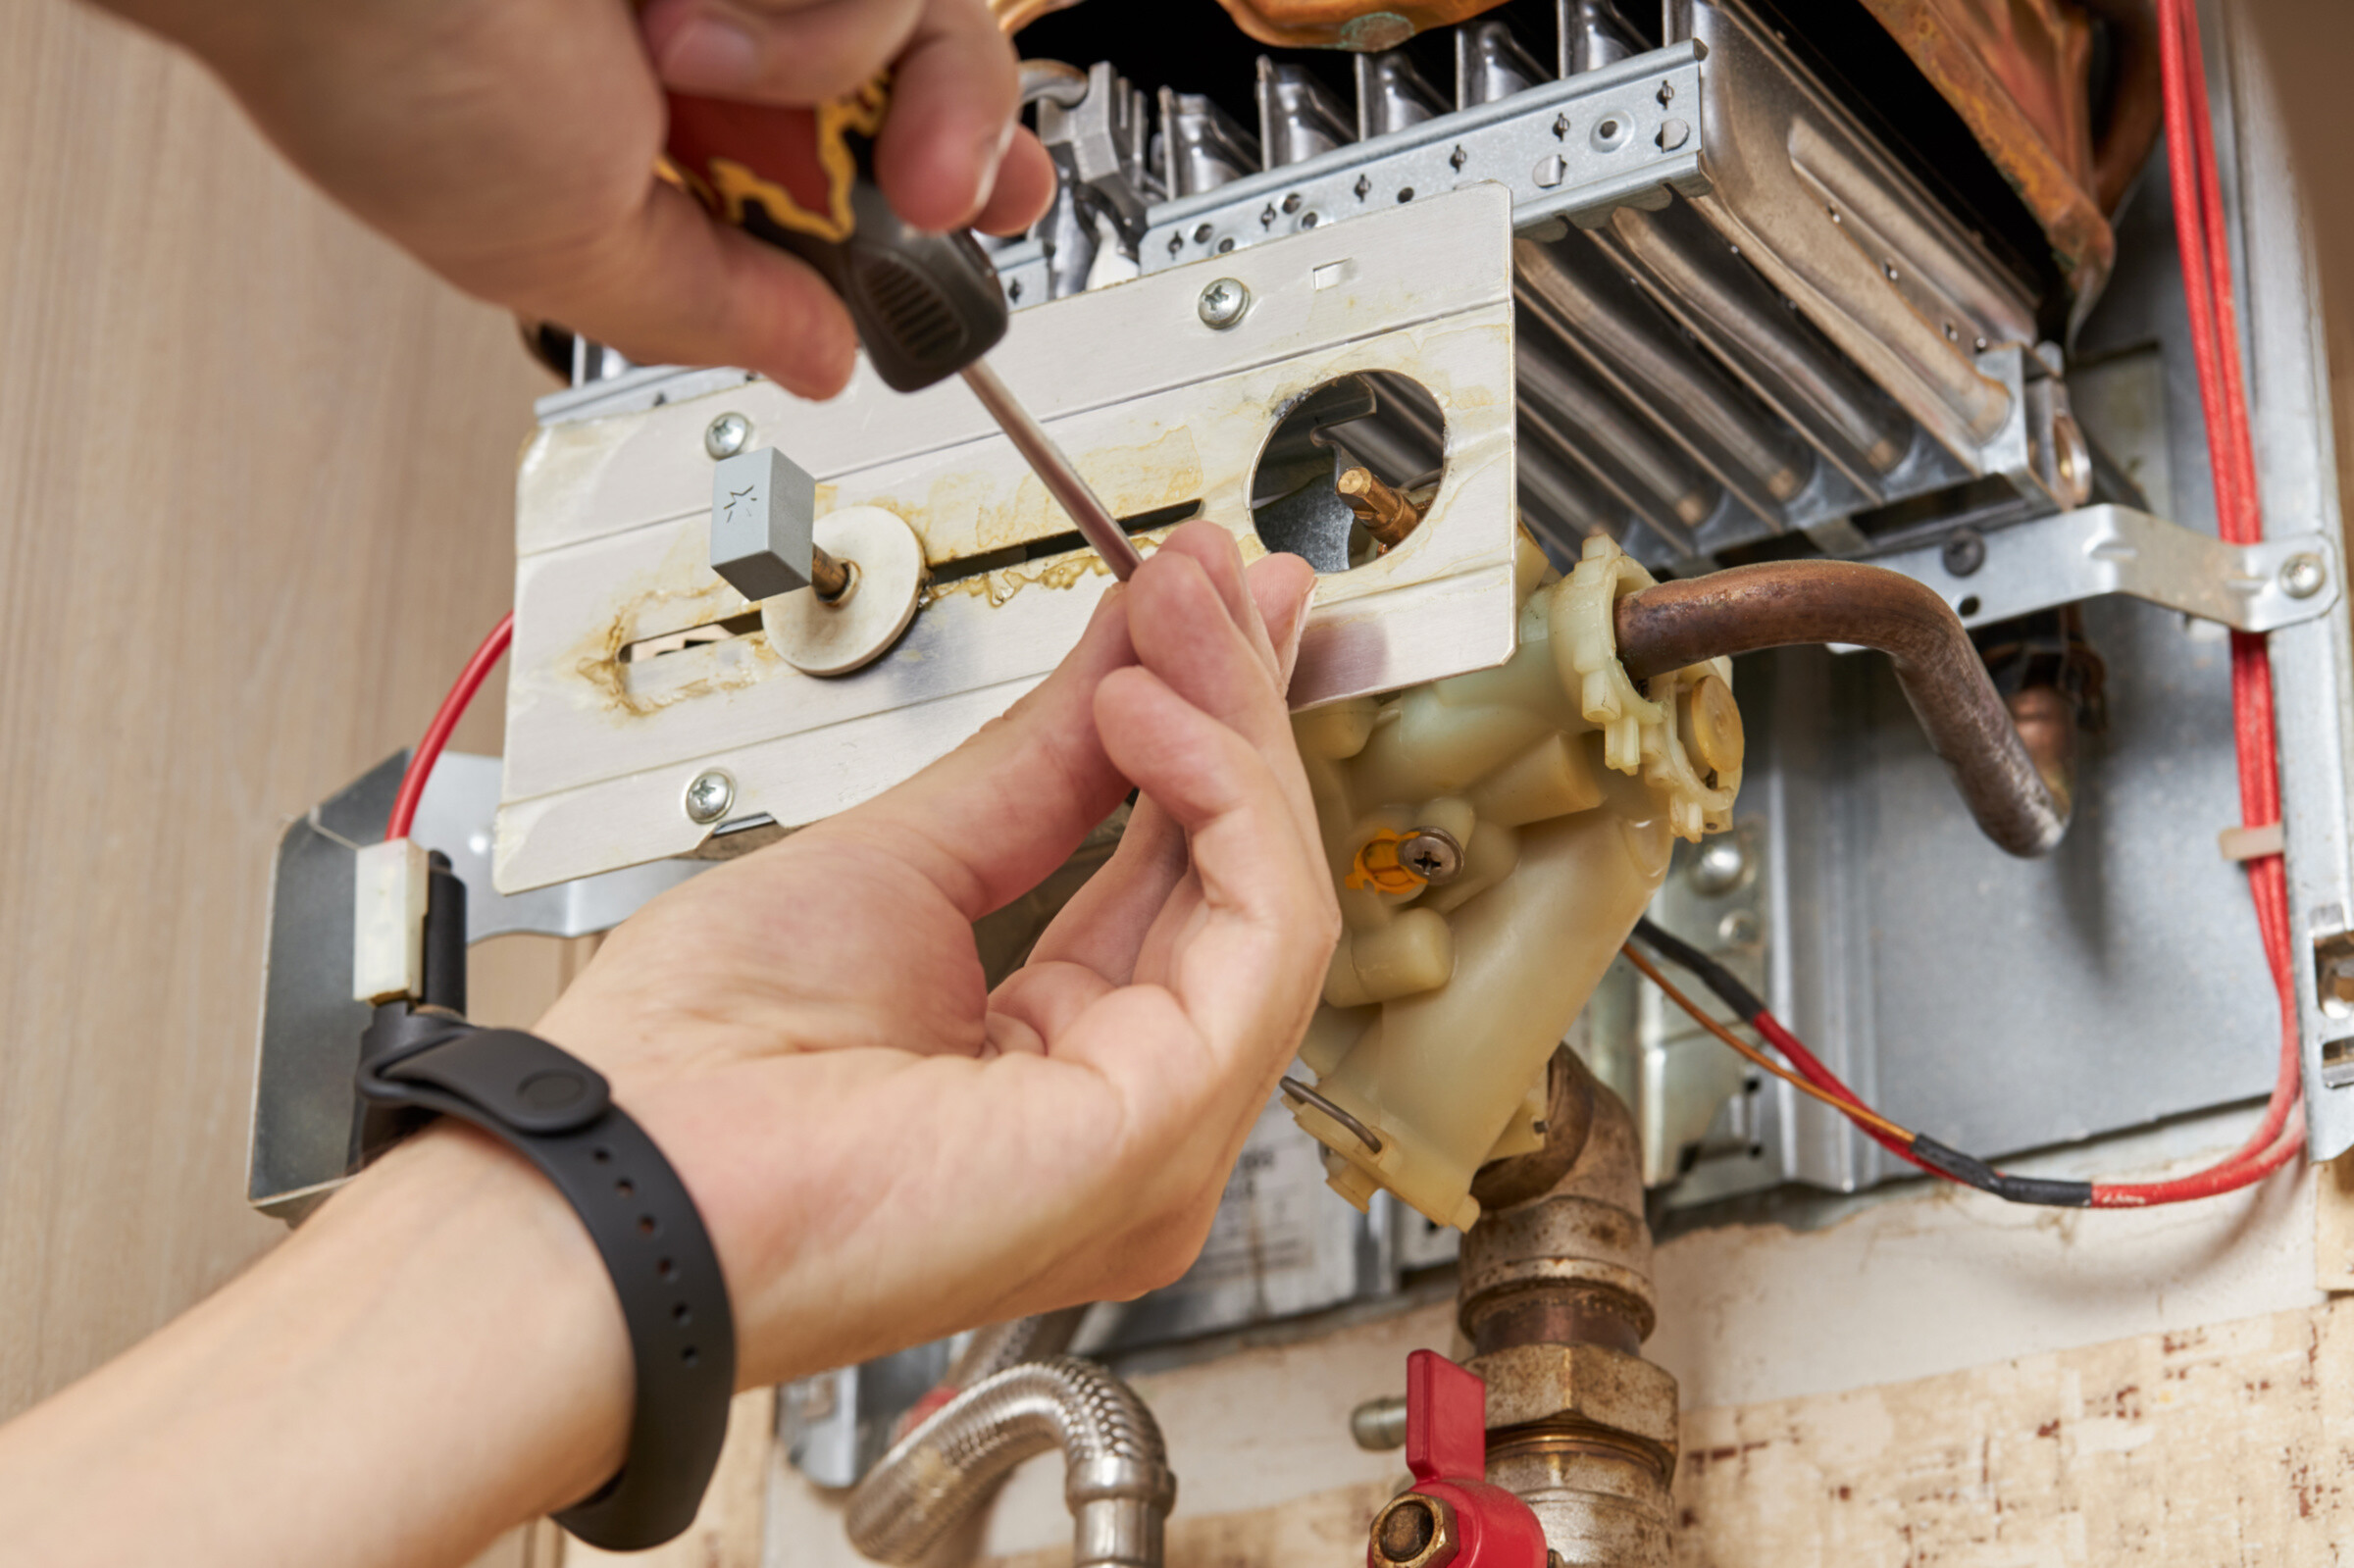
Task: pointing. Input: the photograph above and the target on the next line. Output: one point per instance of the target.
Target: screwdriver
(926, 305)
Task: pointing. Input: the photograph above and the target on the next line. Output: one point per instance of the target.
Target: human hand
(511, 147)
(884, 1150)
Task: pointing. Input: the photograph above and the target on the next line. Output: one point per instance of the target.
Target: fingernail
(710, 54)
(990, 156)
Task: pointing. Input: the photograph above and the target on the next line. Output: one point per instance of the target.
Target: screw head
(727, 435)
(2303, 575)
(2072, 460)
(1719, 867)
(1223, 303)
(1432, 854)
(709, 796)
(1965, 552)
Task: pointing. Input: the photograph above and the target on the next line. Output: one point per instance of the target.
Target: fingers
(1284, 586)
(989, 820)
(1106, 925)
(1249, 965)
(1044, 1000)
(954, 93)
(775, 51)
(669, 286)
(950, 142)
(1249, 960)
(1212, 549)
(1026, 183)
(1196, 625)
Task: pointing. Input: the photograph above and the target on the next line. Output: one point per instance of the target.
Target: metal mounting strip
(2114, 549)
(1573, 149)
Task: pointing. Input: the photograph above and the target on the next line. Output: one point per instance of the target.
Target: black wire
(1729, 991)
(1966, 1168)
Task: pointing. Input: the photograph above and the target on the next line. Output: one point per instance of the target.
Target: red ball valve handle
(1452, 1517)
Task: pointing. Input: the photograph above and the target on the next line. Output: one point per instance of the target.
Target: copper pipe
(1775, 605)
(2136, 103)
(2046, 719)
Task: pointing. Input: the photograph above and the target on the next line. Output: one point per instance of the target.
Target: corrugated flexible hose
(1117, 1481)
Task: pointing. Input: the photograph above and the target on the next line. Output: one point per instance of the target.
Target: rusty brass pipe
(1775, 605)
(1556, 1297)
(2046, 720)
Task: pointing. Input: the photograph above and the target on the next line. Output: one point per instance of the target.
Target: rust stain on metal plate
(968, 511)
(680, 593)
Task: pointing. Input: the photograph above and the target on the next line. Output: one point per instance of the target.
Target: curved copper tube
(2007, 771)
(2136, 104)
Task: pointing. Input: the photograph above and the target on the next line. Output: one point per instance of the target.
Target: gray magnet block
(763, 505)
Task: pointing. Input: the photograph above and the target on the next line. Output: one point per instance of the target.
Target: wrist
(491, 1266)
(434, 1333)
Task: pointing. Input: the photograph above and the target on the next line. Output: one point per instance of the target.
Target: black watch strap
(557, 1112)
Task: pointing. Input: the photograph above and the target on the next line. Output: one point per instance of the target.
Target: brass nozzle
(1385, 513)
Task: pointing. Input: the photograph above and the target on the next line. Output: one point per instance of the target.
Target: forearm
(434, 1356)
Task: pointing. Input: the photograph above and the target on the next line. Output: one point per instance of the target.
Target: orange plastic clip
(1379, 867)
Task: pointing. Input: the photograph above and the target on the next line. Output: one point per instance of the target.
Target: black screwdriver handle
(926, 305)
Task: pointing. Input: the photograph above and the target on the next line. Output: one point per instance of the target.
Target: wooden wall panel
(255, 497)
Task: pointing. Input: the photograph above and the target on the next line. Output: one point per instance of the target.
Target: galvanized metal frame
(2007, 1006)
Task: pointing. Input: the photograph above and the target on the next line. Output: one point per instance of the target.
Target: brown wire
(1855, 1113)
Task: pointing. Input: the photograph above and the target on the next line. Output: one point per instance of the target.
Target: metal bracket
(1575, 149)
(305, 1113)
(2097, 550)
(613, 517)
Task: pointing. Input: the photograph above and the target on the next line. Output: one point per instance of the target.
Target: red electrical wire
(437, 735)
(2208, 293)
(1930, 1155)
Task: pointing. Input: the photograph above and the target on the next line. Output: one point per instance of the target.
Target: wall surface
(1842, 1386)
(255, 501)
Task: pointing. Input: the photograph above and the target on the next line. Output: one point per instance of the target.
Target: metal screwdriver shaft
(924, 303)
(1054, 471)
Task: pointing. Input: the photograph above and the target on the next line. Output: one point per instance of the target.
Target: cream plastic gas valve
(1493, 837)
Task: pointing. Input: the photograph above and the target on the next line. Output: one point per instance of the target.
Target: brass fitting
(1413, 1531)
(1556, 1300)
(1582, 1386)
(1385, 513)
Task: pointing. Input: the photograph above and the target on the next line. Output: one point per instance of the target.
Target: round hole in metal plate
(1349, 470)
